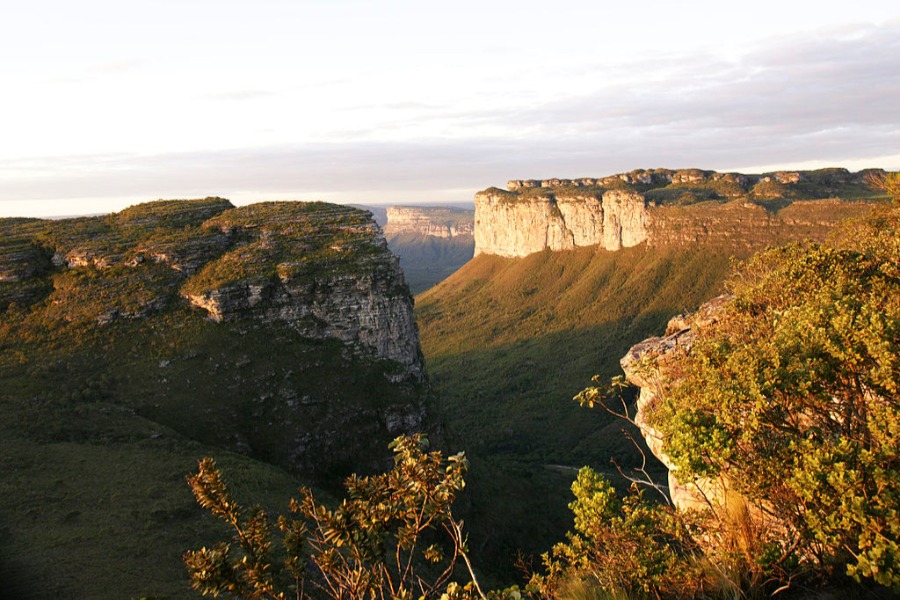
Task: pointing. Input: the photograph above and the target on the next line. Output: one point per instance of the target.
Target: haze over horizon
(107, 104)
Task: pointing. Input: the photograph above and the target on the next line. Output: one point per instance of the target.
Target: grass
(509, 342)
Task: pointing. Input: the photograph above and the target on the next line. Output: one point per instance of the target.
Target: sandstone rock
(354, 292)
(693, 206)
(647, 365)
(440, 222)
(513, 226)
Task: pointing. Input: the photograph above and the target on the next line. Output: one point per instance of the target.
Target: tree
(888, 182)
(395, 536)
(627, 547)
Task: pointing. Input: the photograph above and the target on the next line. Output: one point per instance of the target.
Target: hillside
(277, 337)
(509, 341)
(431, 241)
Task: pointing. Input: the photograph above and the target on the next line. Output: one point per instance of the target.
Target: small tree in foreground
(626, 546)
(394, 536)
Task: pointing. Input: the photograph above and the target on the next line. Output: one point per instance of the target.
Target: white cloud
(379, 105)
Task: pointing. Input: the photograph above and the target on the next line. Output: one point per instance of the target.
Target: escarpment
(431, 241)
(433, 221)
(284, 330)
(509, 225)
(664, 207)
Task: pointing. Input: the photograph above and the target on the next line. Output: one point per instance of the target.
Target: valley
(280, 338)
(432, 242)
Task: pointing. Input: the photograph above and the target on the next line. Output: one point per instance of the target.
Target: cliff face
(440, 222)
(507, 225)
(321, 270)
(662, 206)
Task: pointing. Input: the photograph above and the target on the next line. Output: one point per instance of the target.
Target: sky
(106, 103)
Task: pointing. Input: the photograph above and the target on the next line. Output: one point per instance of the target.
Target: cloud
(116, 66)
(240, 95)
(829, 98)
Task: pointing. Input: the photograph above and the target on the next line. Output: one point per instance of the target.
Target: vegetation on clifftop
(113, 385)
(688, 186)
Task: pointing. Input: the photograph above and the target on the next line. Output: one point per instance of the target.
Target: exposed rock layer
(662, 206)
(646, 365)
(441, 222)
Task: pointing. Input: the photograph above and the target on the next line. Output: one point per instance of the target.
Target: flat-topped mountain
(431, 241)
(436, 221)
(661, 206)
(278, 337)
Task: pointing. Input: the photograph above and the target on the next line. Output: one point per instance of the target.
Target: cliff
(512, 225)
(662, 206)
(277, 337)
(648, 363)
(435, 221)
(432, 242)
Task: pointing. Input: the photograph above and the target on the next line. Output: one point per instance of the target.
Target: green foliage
(394, 536)
(287, 240)
(793, 398)
(627, 547)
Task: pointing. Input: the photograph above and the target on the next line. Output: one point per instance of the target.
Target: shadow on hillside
(510, 408)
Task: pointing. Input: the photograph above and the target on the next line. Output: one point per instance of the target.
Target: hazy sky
(108, 103)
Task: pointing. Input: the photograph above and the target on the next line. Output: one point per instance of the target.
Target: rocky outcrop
(513, 226)
(662, 206)
(434, 221)
(323, 270)
(646, 366)
(284, 330)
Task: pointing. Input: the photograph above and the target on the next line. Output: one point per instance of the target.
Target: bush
(394, 536)
(792, 398)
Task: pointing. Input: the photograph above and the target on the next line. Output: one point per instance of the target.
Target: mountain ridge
(661, 206)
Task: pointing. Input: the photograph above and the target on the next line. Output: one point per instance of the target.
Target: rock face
(323, 270)
(646, 365)
(438, 221)
(662, 206)
(507, 225)
(432, 242)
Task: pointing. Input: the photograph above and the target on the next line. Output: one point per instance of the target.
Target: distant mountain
(432, 242)
(277, 337)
